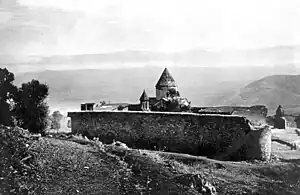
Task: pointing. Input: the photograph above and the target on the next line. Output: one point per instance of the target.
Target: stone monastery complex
(168, 122)
(166, 92)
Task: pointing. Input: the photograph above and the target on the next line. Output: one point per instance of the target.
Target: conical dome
(144, 96)
(166, 80)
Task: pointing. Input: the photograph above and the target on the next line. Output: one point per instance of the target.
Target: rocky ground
(67, 164)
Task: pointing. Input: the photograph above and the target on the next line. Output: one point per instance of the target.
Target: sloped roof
(166, 80)
(144, 96)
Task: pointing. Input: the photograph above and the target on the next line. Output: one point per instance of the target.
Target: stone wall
(255, 145)
(256, 114)
(290, 119)
(206, 135)
(258, 144)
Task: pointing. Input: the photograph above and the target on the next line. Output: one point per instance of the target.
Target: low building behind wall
(256, 114)
(195, 134)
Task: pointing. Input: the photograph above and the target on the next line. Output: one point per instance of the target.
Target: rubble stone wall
(258, 144)
(189, 133)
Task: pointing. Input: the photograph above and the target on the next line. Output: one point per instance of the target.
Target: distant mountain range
(207, 78)
(270, 91)
(204, 86)
(283, 55)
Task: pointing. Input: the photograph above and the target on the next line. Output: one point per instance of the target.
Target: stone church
(167, 98)
(166, 92)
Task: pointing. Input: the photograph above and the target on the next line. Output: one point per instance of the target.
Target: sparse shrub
(31, 108)
(25, 106)
(7, 93)
(55, 119)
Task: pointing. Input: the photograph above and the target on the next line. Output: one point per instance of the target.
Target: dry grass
(74, 165)
(277, 177)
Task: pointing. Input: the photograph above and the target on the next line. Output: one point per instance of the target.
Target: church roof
(144, 96)
(279, 109)
(166, 80)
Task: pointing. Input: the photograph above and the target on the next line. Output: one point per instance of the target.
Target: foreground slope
(74, 165)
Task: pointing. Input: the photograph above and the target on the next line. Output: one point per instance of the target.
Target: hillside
(204, 86)
(68, 88)
(74, 165)
(270, 91)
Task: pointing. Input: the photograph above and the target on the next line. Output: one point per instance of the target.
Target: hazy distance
(213, 48)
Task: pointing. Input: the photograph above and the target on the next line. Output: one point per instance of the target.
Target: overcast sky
(47, 27)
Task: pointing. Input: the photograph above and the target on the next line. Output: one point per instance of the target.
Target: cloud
(91, 6)
(33, 31)
(5, 17)
(93, 26)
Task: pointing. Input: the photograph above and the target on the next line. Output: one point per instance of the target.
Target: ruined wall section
(190, 133)
(256, 114)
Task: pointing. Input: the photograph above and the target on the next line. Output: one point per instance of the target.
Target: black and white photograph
(140, 97)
